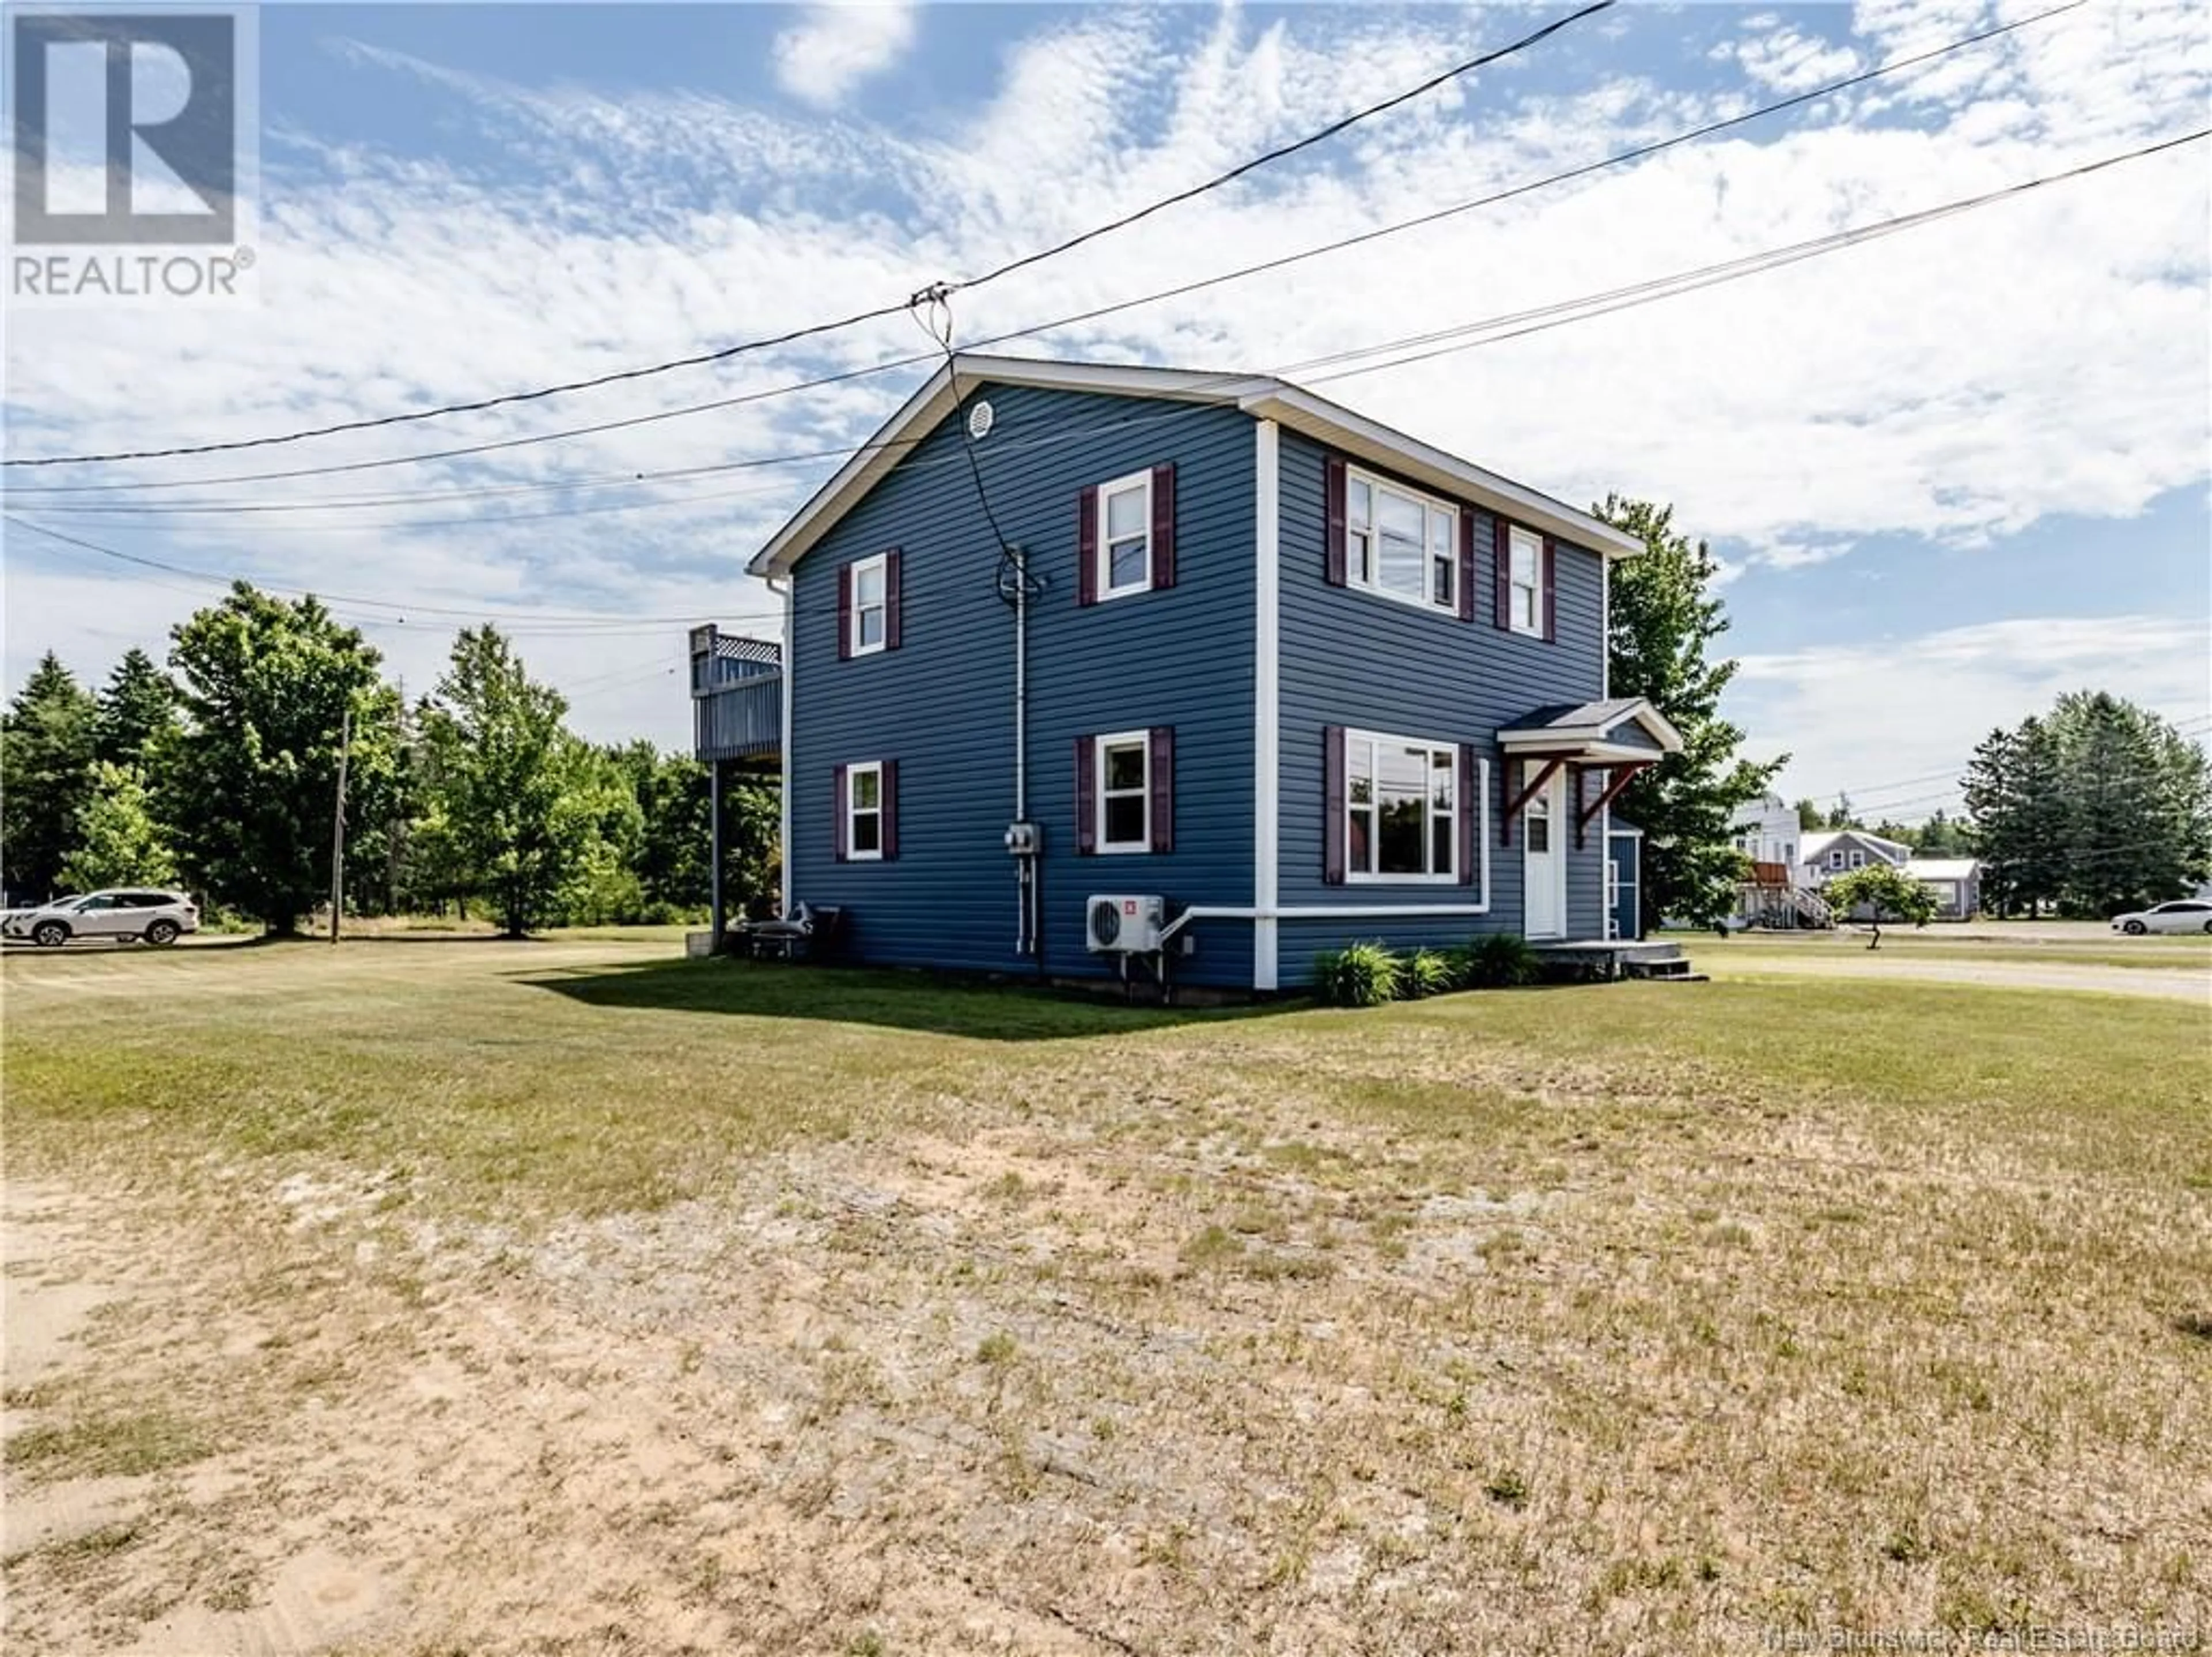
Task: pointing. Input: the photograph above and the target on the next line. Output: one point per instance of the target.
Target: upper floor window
(1526, 594)
(1858, 860)
(1126, 536)
(868, 605)
(1836, 859)
(1401, 543)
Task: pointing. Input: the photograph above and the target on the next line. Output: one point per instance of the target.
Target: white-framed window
(1401, 543)
(870, 621)
(864, 812)
(1836, 859)
(1401, 808)
(1124, 792)
(1125, 536)
(1525, 593)
(1858, 860)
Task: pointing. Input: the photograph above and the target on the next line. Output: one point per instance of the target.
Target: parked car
(2183, 915)
(147, 913)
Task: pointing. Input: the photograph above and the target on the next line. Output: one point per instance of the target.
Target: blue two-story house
(1064, 631)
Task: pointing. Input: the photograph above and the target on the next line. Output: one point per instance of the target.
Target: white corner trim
(786, 586)
(1267, 699)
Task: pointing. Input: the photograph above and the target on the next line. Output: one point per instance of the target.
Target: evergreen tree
(1663, 617)
(137, 710)
(118, 842)
(1840, 815)
(250, 786)
(47, 748)
(1809, 818)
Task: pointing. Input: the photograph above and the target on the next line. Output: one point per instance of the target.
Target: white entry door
(1544, 862)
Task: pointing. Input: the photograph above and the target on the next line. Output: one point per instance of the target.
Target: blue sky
(1950, 473)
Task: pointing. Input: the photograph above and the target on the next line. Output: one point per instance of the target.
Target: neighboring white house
(1956, 881)
(1772, 836)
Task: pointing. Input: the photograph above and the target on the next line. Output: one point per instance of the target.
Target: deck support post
(717, 907)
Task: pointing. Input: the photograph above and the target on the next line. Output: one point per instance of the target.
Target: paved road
(2175, 983)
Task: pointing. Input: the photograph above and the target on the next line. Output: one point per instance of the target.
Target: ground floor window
(1401, 807)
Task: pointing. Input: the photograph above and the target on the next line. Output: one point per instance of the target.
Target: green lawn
(1643, 1316)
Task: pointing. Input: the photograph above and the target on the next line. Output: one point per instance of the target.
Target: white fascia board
(1377, 443)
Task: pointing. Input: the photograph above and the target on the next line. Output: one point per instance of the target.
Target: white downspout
(1266, 712)
(785, 589)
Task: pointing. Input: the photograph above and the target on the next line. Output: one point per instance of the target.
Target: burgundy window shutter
(1333, 492)
(1466, 564)
(1086, 547)
(1163, 526)
(1161, 776)
(838, 814)
(1551, 590)
(1502, 545)
(1469, 805)
(891, 562)
(1332, 805)
(1086, 795)
(887, 797)
(844, 611)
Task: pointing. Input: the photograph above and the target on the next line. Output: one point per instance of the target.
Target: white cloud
(1958, 383)
(841, 45)
(1857, 717)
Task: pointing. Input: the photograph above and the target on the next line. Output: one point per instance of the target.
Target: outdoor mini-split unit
(1124, 925)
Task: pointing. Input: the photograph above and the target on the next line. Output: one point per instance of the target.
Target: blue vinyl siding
(942, 703)
(1627, 919)
(1630, 734)
(1357, 659)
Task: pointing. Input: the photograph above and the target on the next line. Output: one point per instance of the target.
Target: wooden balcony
(737, 697)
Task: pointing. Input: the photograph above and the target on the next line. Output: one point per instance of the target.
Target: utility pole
(337, 826)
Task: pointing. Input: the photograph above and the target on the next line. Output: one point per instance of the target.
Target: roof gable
(1262, 396)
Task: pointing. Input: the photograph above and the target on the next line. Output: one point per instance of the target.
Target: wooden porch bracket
(1536, 785)
(1623, 771)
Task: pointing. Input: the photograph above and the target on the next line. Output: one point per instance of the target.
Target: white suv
(148, 912)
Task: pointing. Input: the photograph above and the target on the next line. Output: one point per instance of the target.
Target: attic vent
(979, 421)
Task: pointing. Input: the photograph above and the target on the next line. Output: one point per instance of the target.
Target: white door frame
(1554, 798)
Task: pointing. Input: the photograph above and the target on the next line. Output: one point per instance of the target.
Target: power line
(1489, 331)
(813, 330)
(1552, 316)
(1657, 288)
(1182, 289)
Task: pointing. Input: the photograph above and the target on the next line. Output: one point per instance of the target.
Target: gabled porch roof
(1590, 732)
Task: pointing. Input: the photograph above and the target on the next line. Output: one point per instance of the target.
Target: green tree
(1810, 818)
(119, 841)
(1841, 814)
(250, 784)
(47, 746)
(1663, 617)
(1943, 836)
(499, 768)
(137, 711)
(1887, 892)
(2134, 805)
(2097, 806)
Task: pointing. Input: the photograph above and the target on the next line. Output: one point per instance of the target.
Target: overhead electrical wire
(813, 330)
(1489, 331)
(1552, 316)
(1639, 152)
